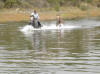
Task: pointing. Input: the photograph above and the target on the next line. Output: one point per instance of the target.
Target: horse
(35, 23)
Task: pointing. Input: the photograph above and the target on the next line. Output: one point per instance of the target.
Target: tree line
(50, 3)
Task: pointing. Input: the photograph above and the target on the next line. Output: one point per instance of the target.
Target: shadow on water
(51, 51)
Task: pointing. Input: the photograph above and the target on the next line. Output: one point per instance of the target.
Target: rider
(59, 21)
(36, 17)
(35, 14)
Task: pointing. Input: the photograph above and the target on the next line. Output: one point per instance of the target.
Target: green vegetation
(56, 4)
(11, 3)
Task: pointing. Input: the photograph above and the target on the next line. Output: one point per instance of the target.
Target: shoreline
(69, 14)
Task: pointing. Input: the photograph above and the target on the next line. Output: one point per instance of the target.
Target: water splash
(30, 29)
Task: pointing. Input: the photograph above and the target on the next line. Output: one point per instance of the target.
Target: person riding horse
(59, 21)
(34, 20)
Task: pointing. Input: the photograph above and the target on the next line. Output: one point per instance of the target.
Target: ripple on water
(73, 48)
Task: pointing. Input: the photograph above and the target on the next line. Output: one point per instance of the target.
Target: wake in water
(30, 29)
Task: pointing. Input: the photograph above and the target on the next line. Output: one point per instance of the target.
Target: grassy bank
(66, 13)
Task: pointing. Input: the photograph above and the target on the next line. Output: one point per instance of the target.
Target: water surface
(69, 50)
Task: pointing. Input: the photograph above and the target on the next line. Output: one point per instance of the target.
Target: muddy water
(71, 50)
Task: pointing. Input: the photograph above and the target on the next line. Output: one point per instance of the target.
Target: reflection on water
(59, 51)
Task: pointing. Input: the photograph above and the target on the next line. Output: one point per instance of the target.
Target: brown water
(64, 51)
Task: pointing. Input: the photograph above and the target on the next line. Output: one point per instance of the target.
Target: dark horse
(35, 23)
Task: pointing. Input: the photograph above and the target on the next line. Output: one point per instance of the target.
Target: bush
(55, 4)
(25, 5)
(11, 3)
(57, 7)
(89, 1)
(84, 6)
(1, 4)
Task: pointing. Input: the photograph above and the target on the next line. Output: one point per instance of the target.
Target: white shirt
(36, 16)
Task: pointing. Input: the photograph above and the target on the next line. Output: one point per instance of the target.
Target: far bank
(68, 14)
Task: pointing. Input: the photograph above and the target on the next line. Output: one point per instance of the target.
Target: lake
(72, 49)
